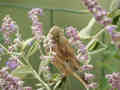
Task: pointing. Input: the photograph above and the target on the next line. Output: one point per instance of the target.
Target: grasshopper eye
(57, 37)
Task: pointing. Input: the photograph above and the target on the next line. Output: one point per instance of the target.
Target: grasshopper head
(55, 33)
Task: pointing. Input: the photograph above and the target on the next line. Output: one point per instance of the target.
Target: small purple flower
(87, 67)
(82, 48)
(90, 3)
(98, 16)
(36, 11)
(89, 76)
(106, 21)
(115, 37)
(30, 43)
(12, 64)
(114, 79)
(101, 10)
(83, 58)
(71, 31)
(110, 28)
(13, 27)
(28, 88)
(109, 76)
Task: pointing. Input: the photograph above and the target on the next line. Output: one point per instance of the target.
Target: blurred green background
(61, 18)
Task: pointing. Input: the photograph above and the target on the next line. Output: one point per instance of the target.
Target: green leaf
(1, 38)
(114, 13)
(22, 71)
(110, 51)
(93, 46)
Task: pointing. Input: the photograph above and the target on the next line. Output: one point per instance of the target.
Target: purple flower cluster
(114, 80)
(72, 32)
(89, 77)
(74, 39)
(100, 14)
(111, 28)
(36, 25)
(35, 11)
(9, 82)
(8, 27)
(82, 54)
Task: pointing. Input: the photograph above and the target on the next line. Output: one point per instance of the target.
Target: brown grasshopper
(64, 59)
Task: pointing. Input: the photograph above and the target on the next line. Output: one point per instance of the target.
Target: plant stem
(36, 74)
(57, 84)
(102, 83)
(4, 48)
(30, 52)
(69, 81)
